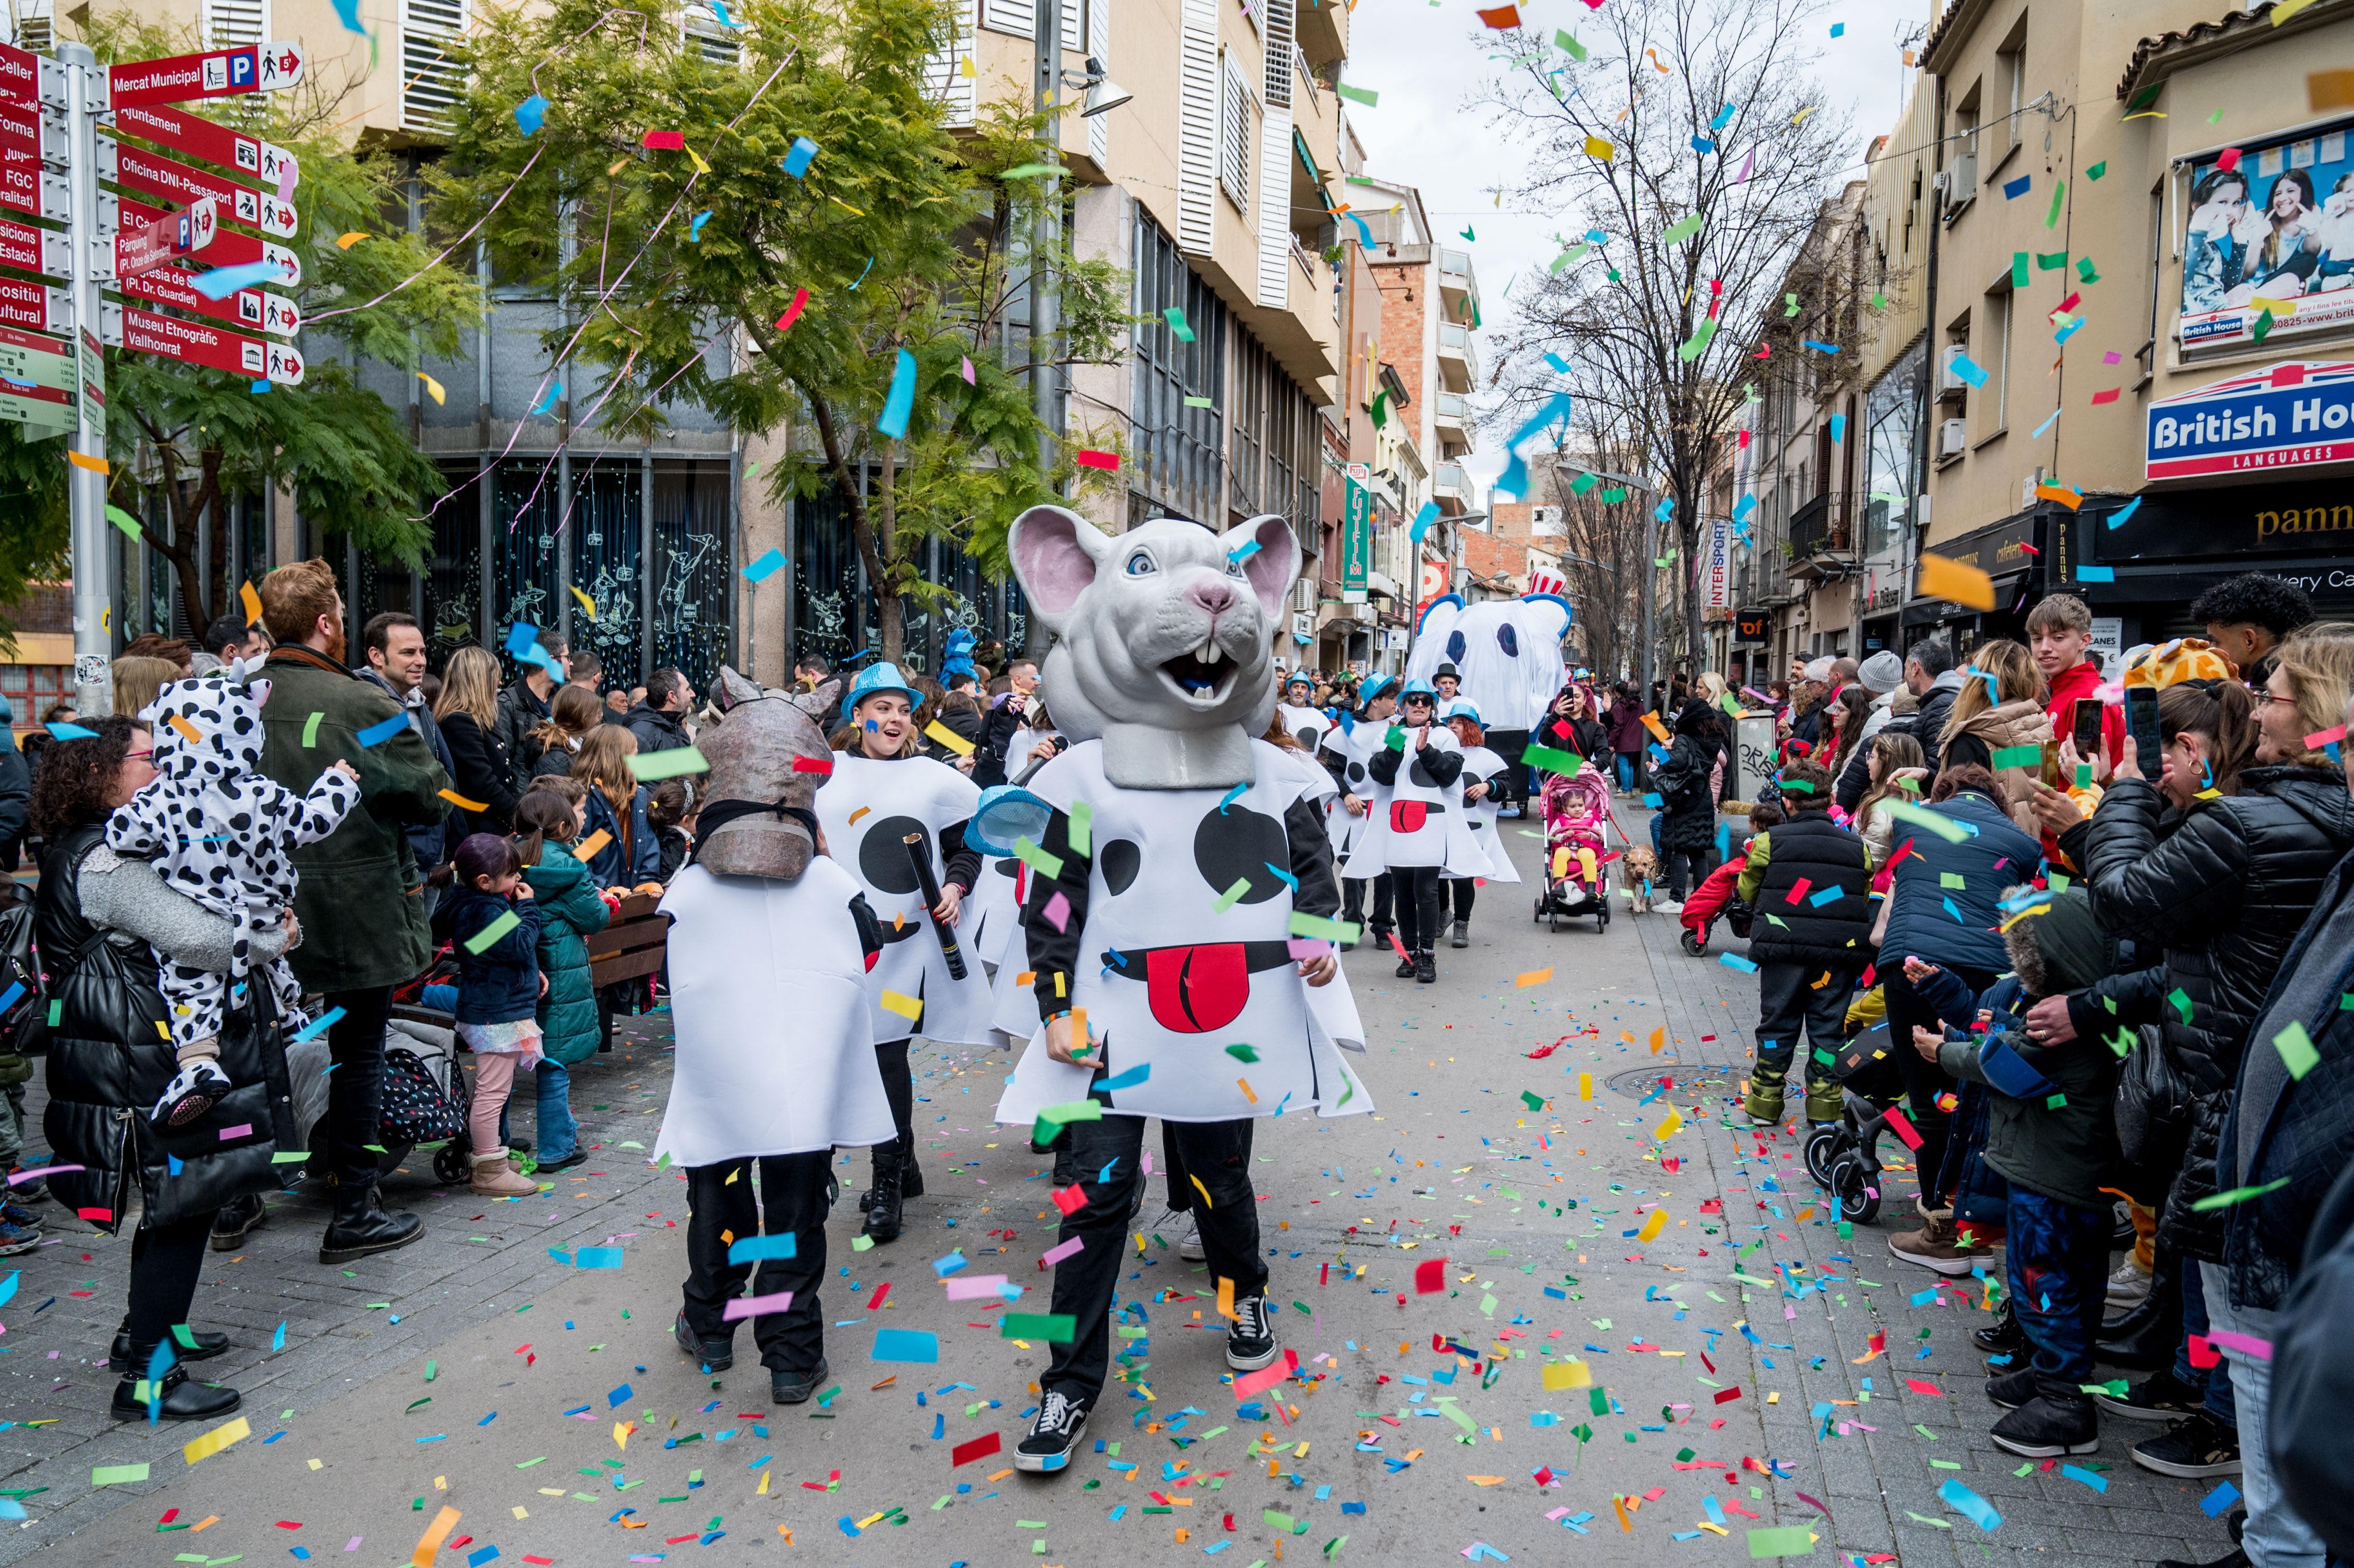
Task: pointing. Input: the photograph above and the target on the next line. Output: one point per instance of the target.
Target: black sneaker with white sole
(2049, 1428)
(2196, 1445)
(2012, 1389)
(1052, 1435)
(1250, 1338)
(2162, 1397)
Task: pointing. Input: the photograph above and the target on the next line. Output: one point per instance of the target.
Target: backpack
(20, 985)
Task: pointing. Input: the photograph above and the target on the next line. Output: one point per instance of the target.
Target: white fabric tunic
(1354, 749)
(867, 808)
(775, 1052)
(1172, 1006)
(1306, 726)
(1483, 766)
(1416, 821)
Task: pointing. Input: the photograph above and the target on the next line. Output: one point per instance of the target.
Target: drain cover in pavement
(1641, 1081)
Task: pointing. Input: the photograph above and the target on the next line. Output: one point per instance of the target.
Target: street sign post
(166, 239)
(35, 306)
(217, 73)
(37, 380)
(199, 342)
(215, 143)
(33, 250)
(228, 248)
(262, 311)
(135, 168)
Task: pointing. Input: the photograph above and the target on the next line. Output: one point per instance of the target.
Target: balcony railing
(1307, 80)
(1449, 481)
(1821, 540)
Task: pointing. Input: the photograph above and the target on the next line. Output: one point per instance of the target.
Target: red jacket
(2084, 681)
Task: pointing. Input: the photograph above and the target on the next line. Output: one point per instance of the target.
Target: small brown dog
(1638, 873)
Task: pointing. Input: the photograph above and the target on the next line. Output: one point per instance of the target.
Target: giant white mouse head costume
(1507, 649)
(758, 818)
(1166, 633)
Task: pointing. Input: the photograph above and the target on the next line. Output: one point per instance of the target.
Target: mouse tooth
(1207, 653)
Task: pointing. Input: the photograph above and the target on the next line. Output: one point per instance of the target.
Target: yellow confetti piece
(250, 601)
(1248, 1093)
(621, 1433)
(1586, 1086)
(1206, 1200)
(846, 206)
(906, 1007)
(1667, 1129)
(1595, 147)
(944, 735)
(585, 602)
(218, 1439)
(616, 166)
(1226, 1299)
(1026, 977)
(348, 241)
(94, 464)
(858, 813)
(1956, 580)
(700, 167)
(1658, 1040)
(1532, 977)
(587, 848)
(465, 805)
(432, 388)
(1569, 1374)
(1652, 1226)
(1485, 1480)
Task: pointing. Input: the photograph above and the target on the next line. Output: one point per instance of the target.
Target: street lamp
(1103, 94)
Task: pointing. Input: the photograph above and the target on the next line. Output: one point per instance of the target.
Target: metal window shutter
(1100, 46)
(1197, 125)
(944, 76)
(431, 81)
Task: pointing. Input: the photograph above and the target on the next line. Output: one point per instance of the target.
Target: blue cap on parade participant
(1464, 707)
(1418, 687)
(878, 679)
(1372, 686)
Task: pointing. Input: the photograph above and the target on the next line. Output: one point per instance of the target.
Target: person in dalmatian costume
(1482, 784)
(1171, 977)
(1418, 831)
(223, 834)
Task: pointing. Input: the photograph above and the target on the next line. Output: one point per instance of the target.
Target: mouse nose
(1214, 595)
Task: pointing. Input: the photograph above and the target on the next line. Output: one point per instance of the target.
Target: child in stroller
(1718, 892)
(1577, 809)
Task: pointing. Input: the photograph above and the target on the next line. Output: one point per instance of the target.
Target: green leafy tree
(908, 236)
(195, 439)
(33, 534)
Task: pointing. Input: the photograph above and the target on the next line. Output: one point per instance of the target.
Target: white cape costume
(1191, 1030)
(775, 1055)
(1354, 749)
(1414, 821)
(1483, 766)
(867, 808)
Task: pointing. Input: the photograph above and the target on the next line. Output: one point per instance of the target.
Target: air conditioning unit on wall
(1949, 380)
(1953, 438)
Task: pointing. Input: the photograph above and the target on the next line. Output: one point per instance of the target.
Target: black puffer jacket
(2224, 896)
(1688, 809)
(1835, 933)
(110, 1058)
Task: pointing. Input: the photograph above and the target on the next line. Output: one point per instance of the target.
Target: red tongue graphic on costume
(1407, 816)
(1195, 989)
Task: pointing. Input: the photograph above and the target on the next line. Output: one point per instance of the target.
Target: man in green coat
(363, 920)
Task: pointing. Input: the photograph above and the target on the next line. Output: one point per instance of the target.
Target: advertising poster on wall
(2269, 231)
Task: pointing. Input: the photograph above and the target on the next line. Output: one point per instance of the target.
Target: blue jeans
(2276, 1536)
(2217, 1379)
(556, 1131)
(1626, 769)
(2059, 1255)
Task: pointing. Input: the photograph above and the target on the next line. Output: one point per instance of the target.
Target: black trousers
(1421, 906)
(792, 1201)
(1513, 784)
(1923, 1080)
(1788, 1001)
(1683, 870)
(900, 1089)
(355, 1087)
(166, 1261)
(1353, 902)
(1103, 1157)
(1464, 886)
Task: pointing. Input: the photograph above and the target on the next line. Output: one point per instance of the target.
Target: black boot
(183, 1399)
(361, 1227)
(911, 1175)
(207, 1347)
(2145, 1337)
(1425, 968)
(882, 1223)
(237, 1219)
(2003, 1337)
(2057, 1422)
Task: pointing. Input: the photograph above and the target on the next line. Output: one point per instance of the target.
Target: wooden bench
(631, 944)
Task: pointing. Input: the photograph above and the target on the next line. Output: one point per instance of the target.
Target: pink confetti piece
(1059, 911)
(353, 1544)
(22, 1176)
(756, 1306)
(2246, 1344)
(1306, 948)
(242, 1129)
(1056, 1254)
(980, 1288)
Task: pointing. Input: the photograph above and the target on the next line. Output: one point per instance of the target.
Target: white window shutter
(1237, 146)
(1100, 46)
(1074, 23)
(230, 23)
(430, 79)
(1197, 124)
(1015, 16)
(944, 71)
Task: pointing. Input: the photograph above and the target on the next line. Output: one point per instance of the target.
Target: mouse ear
(1055, 553)
(1272, 567)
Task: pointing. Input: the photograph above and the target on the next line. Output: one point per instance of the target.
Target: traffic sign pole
(94, 604)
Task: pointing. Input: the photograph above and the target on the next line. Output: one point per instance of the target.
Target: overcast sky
(1428, 67)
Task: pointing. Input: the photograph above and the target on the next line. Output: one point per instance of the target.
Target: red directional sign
(195, 343)
(26, 303)
(217, 73)
(33, 249)
(20, 75)
(176, 181)
(25, 127)
(253, 308)
(25, 187)
(229, 248)
(201, 137)
(167, 239)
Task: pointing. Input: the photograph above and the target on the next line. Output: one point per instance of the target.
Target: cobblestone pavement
(1704, 1432)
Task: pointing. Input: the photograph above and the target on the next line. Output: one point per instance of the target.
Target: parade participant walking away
(1346, 752)
(224, 835)
(1482, 771)
(882, 794)
(1809, 880)
(1188, 852)
(1414, 832)
(1687, 822)
(2052, 1135)
(494, 924)
(359, 897)
(100, 918)
(765, 925)
(571, 910)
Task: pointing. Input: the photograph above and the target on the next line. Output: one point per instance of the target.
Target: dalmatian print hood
(208, 729)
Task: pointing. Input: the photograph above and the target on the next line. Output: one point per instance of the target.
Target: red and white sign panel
(26, 127)
(23, 74)
(229, 248)
(217, 73)
(253, 308)
(215, 143)
(35, 306)
(27, 187)
(197, 343)
(166, 238)
(153, 175)
(33, 249)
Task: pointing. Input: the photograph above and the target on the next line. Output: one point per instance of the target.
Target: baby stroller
(425, 1097)
(1717, 897)
(1843, 1156)
(1576, 827)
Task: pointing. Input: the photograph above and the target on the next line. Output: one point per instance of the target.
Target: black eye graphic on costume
(882, 854)
(1456, 647)
(1356, 773)
(1239, 842)
(1006, 868)
(1306, 735)
(1509, 641)
(1121, 860)
(1420, 774)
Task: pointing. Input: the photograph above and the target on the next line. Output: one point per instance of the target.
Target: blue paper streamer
(377, 733)
(901, 402)
(753, 1249)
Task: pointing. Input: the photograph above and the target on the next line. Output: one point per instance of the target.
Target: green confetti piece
(1319, 928)
(310, 731)
(1681, 230)
(1243, 1052)
(117, 1475)
(1951, 879)
(2295, 1048)
(1937, 822)
(1055, 1328)
(2055, 1102)
(2059, 197)
(2086, 269)
(2018, 757)
(1232, 896)
(484, 939)
(2020, 275)
(1552, 759)
(1049, 866)
(2236, 1196)
(2181, 1001)
(1083, 819)
(670, 764)
(1535, 1102)
(1781, 1540)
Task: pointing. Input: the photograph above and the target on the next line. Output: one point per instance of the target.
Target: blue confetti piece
(1244, 551)
(222, 282)
(1128, 1080)
(257, 386)
(1839, 29)
(561, 1255)
(172, 1164)
(1819, 346)
(939, 1427)
(618, 1398)
(2215, 1503)
(530, 114)
(694, 227)
(797, 161)
(487, 1420)
(549, 399)
(2117, 520)
(944, 1266)
(476, 1559)
(1425, 517)
(2096, 574)
(302, 1553)
(1954, 912)
(900, 404)
(1231, 795)
(8, 997)
(1287, 879)
(2093, 1479)
(754, 1249)
(71, 732)
(277, 1339)
(1827, 895)
(767, 566)
(906, 1345)
(377, 733)
(1736, 961)
(520, 636)
(1971, 1506)
(2014, 189)
(597, 1257)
